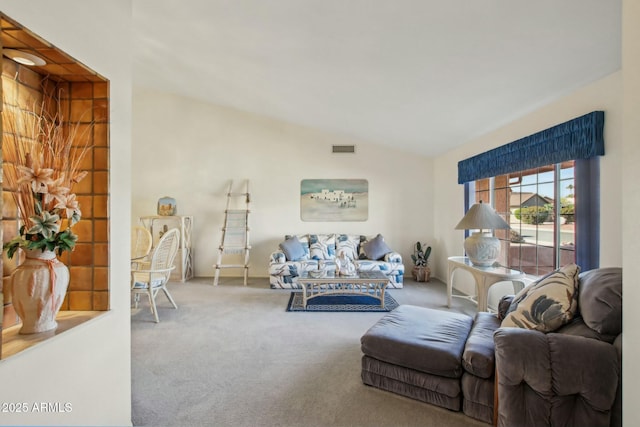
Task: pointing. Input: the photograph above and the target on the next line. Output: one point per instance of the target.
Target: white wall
(88, 366)
(605, 94)
(631, 207)
(189, 150)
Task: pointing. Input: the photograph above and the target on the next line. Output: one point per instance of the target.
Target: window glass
(539, 205)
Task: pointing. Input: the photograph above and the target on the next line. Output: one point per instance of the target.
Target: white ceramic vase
(482, 249)
(39, 286)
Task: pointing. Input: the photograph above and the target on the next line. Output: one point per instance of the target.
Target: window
(539, 205)
(547, 186)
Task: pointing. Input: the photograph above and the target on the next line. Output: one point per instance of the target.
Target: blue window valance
(580, 138)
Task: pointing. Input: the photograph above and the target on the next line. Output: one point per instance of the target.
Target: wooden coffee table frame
(370, 283)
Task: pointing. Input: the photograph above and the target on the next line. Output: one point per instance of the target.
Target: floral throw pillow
(348, 244)
(322, 246)
(547, 304)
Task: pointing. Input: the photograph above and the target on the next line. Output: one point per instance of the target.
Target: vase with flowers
(42, 159)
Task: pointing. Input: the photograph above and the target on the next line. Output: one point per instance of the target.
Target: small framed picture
(167, 206)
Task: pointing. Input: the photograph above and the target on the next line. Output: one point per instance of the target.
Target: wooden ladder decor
(235, 233)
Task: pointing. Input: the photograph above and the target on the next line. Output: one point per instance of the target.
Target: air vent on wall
(344, 149)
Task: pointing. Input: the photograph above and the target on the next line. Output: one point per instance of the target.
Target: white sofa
(304, 252)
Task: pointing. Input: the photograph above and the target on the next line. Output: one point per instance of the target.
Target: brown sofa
(570, 377)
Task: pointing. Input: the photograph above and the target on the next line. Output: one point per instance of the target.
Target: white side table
(484, 278)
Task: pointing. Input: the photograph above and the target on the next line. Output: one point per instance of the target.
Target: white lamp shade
(481, 217)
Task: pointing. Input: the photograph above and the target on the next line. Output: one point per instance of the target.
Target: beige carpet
(233, 356)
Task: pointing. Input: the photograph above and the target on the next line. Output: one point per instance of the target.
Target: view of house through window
(539, 206)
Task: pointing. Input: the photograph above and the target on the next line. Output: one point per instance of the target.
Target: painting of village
(334, 199)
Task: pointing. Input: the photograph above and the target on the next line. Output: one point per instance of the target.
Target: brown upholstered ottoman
(417, 352)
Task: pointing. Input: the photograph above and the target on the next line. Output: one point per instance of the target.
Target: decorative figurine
(345, 266)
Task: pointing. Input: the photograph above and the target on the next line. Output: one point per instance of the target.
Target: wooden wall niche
(83, 97)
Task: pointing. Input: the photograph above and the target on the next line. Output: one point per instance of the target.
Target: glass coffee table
(321, 283)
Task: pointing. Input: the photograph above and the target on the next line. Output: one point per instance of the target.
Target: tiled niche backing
(87, 103)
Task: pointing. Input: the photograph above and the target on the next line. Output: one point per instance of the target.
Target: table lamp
(482, 247)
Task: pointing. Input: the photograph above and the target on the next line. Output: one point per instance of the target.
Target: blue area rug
(341, 303)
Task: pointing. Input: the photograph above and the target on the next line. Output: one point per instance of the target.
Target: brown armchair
(571, 377)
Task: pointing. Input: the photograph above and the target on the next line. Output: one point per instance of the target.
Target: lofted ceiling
(421, 75)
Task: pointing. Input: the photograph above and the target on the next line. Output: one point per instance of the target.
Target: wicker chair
(148, 278)
(141, 242)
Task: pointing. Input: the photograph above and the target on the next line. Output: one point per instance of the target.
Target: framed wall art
(334, 200)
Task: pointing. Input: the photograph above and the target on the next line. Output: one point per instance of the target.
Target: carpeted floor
(233, 356)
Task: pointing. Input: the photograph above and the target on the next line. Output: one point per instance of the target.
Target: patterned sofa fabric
(321, 251)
